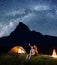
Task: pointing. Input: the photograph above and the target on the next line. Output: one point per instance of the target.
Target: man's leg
(29, 56)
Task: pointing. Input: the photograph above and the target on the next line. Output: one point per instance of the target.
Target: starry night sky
(38, 15)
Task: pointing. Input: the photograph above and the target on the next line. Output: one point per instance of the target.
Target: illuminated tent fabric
(18, 49)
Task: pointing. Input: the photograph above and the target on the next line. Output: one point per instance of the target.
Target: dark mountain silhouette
(22, 36)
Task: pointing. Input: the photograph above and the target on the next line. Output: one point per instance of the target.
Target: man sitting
(32, 52)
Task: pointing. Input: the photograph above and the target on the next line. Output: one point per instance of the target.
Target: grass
(6, 59)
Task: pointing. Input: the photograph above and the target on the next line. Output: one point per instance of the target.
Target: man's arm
(29, 45)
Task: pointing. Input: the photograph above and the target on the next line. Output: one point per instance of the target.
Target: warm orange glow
(15, 49)
(20, 50)
(54, 54)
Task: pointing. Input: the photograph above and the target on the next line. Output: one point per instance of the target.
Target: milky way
(38, 15)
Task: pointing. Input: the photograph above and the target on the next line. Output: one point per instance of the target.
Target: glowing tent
(18, 49)
(54, 54)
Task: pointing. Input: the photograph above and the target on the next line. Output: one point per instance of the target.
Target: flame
(54, 53)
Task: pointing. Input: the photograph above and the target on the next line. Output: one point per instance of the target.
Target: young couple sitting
(33, 51)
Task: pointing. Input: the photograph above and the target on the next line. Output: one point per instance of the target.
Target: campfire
(54, 53)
